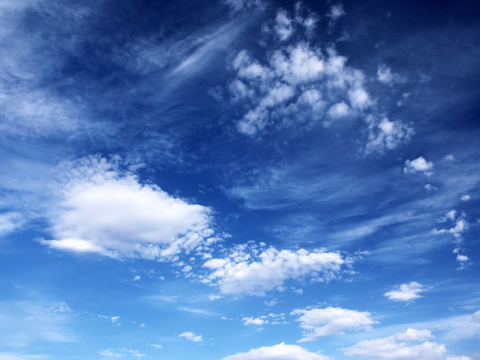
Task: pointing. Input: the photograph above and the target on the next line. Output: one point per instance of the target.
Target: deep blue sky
(239, 180)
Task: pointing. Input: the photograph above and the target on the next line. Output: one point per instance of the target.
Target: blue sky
(239, 180)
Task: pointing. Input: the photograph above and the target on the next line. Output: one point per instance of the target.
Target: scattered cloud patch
(406, 292)
(278, 352)
(191, 336)
(465, 198)
(255, 321)
(331, 321)
(247, 272)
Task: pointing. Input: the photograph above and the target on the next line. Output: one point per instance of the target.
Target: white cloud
(336, 12)
(449, 158)
(13, 356)
(136, 278)
(465, 198)
(191, 336)
(312, 84)
(113, 319)
(239, 5)
(359, 98)
(448, 216)
(247, 272)
(278, 352)
(391, 348)
(112, 353)
(156, 346)
(283, 25)
(385, 76)
(459, 226)
(386, 135)
(25, 323)
(61, 307)
(462, 258)
(418, 165)
(10, 221)
(414, 335)
(329, 321)
(406, 292)
(106, 210)
(339, 110)
(255, 321)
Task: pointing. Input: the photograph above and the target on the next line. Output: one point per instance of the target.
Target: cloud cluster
(302, 83)
(249, 271)
(329, 321)
(406, 292)
(278, 352)
(459, 225)
(106, 210)
(402, 346)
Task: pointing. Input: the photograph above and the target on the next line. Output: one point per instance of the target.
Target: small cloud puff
(191, 336)
(402, 346)
(406, 292)
(255, 321)
(465, 198)
(418, 165)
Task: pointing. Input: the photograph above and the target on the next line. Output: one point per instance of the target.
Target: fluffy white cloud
(406, 292)
(255, 321)
(323, 322)
(391, 348)
(248, 271)
(303, 83)
(106, 210)
(465, 198)
(385, 76)
(191, 336)
(418, 165)
(278, 352)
